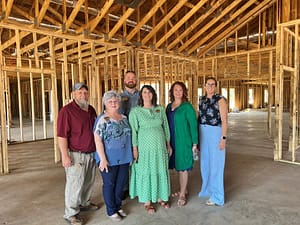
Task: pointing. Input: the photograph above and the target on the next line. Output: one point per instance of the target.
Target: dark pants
(113, 184)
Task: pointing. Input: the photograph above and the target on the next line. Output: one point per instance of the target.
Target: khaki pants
(80, 178)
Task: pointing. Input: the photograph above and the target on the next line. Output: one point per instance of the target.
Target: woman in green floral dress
(150, 179)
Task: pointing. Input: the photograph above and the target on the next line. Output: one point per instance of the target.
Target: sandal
(150, 209)
(175, 194)
(164, 204)
(181, 201)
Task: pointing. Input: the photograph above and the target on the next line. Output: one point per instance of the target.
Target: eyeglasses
(110, 102)
(210, 84)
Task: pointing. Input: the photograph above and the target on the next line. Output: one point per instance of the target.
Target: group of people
(136, 135)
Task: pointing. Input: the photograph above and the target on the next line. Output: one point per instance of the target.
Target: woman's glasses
(210, 84)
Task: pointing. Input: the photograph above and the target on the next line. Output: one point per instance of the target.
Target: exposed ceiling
(187, 27)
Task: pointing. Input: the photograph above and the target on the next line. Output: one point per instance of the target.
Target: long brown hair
(185, 92)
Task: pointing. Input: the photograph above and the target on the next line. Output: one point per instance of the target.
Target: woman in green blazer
(184, 136)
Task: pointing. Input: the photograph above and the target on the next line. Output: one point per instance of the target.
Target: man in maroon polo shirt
(76, 141)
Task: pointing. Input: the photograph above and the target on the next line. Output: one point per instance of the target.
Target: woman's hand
(135, 153)
(170, 150)
(103, 166)
(222, 144)
(194, 148)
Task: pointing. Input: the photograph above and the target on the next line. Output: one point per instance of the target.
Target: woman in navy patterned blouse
(212, 132)
(112, 135)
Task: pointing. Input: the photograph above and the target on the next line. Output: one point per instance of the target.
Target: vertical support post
(93, 74)
(295, 94)
(19, 65)
(32, 102)
(119, 70)
(4, 152)
(54, 100)
(106, 64)
(279, 94)
(43, 100)
(80, 71)
(162, 85)
(270, 94)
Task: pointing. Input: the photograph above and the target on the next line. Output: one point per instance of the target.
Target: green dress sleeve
(192, 121)
(165, 123)
(134, 124)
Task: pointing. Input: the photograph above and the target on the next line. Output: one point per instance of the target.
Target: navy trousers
(113, 184)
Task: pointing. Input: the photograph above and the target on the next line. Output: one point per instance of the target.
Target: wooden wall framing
(287, 90)
(34, 82)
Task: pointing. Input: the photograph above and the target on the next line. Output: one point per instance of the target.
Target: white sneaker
(115, 217)
(122, 213)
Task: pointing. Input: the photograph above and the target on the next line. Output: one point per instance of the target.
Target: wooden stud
(65, 73)
(4, 152)
(8, 102)
(19, 65)
(295, 95)
(270, 93)
(32, 103)
(162, 82)
(43, 101)
(54, 102)
(93, 80)
(106, 69)
(98, 89)
(119, 70)
(80, 69)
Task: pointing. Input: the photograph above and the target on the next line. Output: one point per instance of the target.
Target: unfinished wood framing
(47, 46)
(288, 68)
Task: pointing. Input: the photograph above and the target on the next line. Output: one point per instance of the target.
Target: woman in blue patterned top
(112, 135)
(213, 131)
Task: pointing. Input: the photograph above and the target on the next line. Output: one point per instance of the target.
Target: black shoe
(125, 194)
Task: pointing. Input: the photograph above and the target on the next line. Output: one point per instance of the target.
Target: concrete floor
(258, 190)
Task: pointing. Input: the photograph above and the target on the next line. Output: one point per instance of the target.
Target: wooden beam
(80, 70)
(53, 11)
(42, 12)
(26, 70)
(119, 70)
(23, 13)
(65, 72)
(36, 56)
(286, 10)
(32, 103)
(180, 23)
(43, 102)
(19, 64)
(93, 23)
(105, 70)
(3, 112)
(251, 14)
(145, 19)
(164, 20)
(120, 23)
(195, 24)
(73, 15)
(54, 103)
(8, 8)
(212, 22)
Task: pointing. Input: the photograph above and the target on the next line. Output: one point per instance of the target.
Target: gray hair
(109, 95)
